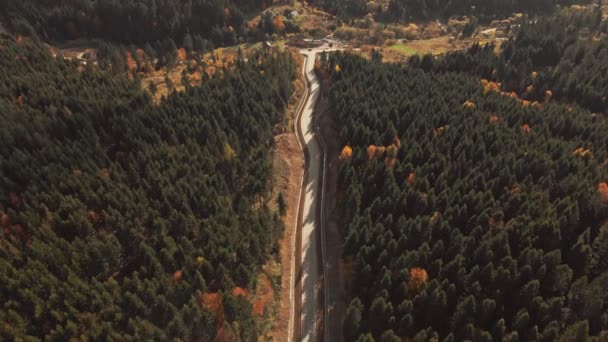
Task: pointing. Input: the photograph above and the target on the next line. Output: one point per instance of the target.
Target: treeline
(468, 213)
(563, 56)
(405, 10)
(134, 21)
(125, 220)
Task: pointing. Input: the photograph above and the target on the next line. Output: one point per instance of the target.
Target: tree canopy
(122, 219)
(470, 212)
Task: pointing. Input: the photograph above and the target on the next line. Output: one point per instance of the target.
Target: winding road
(310, 248)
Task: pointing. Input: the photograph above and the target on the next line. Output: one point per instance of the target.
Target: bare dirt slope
(289, 166)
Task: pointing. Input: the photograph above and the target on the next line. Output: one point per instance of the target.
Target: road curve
(311, 274)
(309, 301)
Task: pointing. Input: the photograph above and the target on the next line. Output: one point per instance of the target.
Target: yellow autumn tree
(337, 68)
(229, 153)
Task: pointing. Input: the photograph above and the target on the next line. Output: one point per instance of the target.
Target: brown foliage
(14, 200)
(411, 179)
(493, 119)
(418, 277)
(227, 15)
(371, 151)
(526, 129)
(239, 291)
(390, 162)
(548, 95)
(602, 190)
(131, 64)
(4, 220)
(178, 276)
(20, 100)
(278, 23)
(95, 216)
(214, 303)
(440, 130)
(258, 307)
(181, 54)
(120, 156)
(105, 173)
(397, 142)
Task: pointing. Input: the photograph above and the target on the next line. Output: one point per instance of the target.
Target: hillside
(125, 219)
(473, 209)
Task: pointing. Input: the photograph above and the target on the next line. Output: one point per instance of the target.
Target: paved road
(312, 240)
(311, 275)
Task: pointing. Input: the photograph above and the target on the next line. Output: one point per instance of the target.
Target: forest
(406, 10)
(133, 21)
(559, 56)
(126, 220)
(475, 209)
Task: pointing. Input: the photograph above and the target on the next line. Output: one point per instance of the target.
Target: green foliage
(558, 54)
(508, 223)
(282, 203)
(117, 214)
(136, 21)
(404, 10)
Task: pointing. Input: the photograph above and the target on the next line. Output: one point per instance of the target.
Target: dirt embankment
(288, 165)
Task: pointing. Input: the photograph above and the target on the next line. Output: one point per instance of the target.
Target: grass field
(403, 49)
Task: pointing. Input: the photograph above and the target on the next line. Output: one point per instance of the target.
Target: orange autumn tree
(602, 191)
(178, 276)
(411, 178)
(371, 151)
(418, 277)
(278, 23)
(181, 54)
(131, 64)
(347, 153)
(526, 129)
